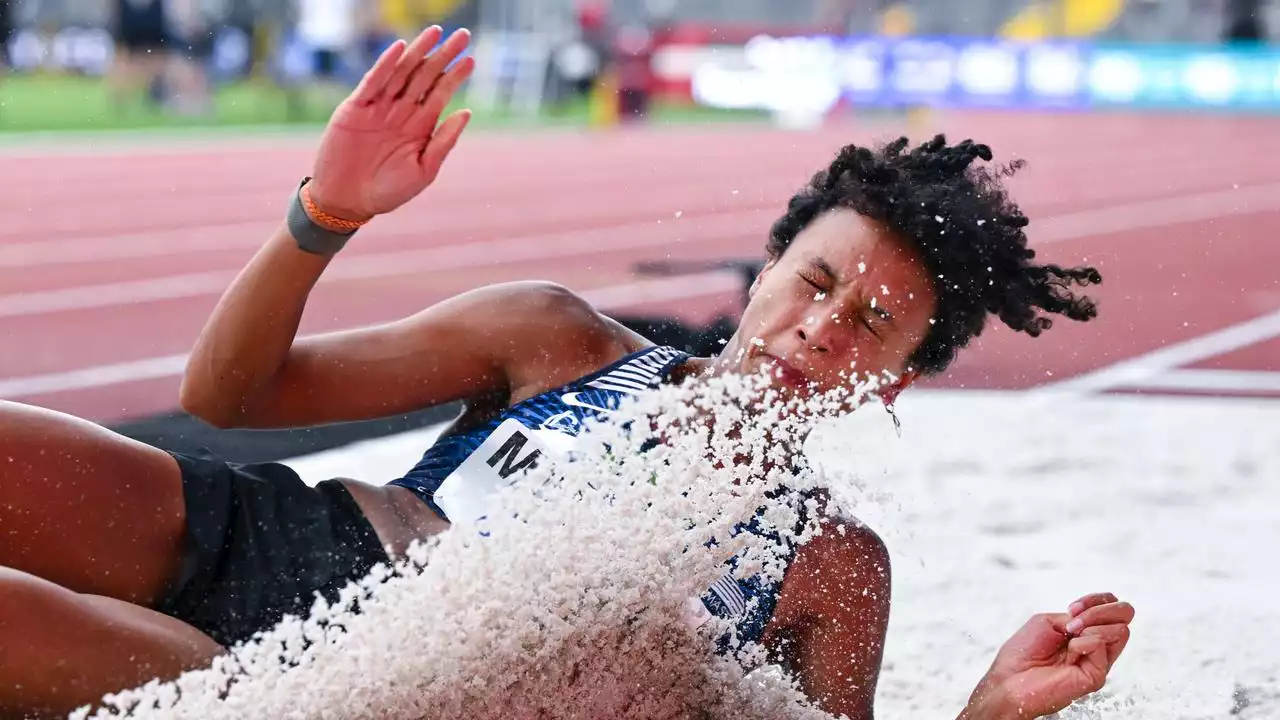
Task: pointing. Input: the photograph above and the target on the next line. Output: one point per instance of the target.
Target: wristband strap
(304, 223)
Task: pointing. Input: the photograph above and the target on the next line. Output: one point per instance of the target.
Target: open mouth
(786, 372)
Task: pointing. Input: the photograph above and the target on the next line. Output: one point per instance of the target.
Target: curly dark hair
(961, 220)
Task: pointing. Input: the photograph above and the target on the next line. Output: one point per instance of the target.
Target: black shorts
(261, 544)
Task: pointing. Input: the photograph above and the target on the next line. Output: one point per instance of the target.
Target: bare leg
(60, 650)
(88, 509)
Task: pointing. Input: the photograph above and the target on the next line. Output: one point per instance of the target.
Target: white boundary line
(69, 244)
(1136, 371)
(444, 258)
(1132, 216)
(609, 297)
(80, 249)
(1160, 212)
(91, 377)
(647, 234)
(1215, 380)
(146, 244)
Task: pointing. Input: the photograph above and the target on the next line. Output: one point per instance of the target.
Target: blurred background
(131, 63)
(635, 150)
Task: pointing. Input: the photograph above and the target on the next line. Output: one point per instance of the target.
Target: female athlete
(120, 563)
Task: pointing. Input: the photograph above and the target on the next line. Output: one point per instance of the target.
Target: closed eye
(871, 325)
(816, 285)
(877, 320)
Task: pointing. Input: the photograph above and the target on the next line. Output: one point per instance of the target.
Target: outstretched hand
(383, 145)
(1056, 658)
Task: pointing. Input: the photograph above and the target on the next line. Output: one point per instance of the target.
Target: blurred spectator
(376, 33)
(330, 29)
(837, 16)
(596, 34)
(252, 22)
(581, 57)
(191, 34)
(634, 62)
(1244, 22)
(407, 17)
(140, 29)
(6, 31)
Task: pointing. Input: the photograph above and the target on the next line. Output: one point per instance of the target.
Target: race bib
(510, 449)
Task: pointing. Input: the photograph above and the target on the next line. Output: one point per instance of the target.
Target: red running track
(112, 257)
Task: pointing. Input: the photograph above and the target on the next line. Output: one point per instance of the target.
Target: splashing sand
(570, 599)
(994, 507)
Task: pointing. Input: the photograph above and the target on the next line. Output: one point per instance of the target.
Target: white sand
(998, 506)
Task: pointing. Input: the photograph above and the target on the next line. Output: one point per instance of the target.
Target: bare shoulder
(536, 305)
(844, 540)
(556, 335)
(850, 544)
(522, 296)
(844, 569)
(558, 303)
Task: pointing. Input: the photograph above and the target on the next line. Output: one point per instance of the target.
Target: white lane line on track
(647, 234)
(529, 248)
(1215, 380)
(209, 237)
(1056, 229)
(1149, 367)
(1149, 214)
(610, 297)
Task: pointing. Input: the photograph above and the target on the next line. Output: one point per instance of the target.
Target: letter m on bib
(509, 456)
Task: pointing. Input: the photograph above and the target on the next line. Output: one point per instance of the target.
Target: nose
(815, 337)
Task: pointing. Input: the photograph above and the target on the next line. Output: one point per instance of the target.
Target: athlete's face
(846, 299)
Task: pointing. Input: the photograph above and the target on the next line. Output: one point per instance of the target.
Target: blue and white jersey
(462, 468)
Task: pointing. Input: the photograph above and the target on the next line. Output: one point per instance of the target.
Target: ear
(890, 394)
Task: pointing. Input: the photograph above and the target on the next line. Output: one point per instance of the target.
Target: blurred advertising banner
(777, 73)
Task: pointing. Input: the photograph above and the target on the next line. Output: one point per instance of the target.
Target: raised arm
(382, 147)
(462, 347)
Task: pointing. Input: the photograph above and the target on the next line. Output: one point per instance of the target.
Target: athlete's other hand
(1055, 659)
(383, 145)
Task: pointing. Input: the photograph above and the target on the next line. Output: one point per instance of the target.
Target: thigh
(60, 650)
(87, 508)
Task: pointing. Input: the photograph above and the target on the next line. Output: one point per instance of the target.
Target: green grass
(52, 103)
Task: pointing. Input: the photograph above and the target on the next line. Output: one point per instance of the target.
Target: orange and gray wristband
(316, 231)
